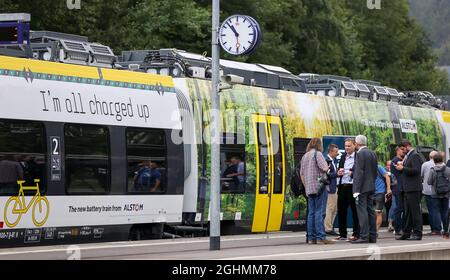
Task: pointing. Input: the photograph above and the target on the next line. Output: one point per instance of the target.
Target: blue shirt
(155, 176)
(348, 164)
(147, 178)
(380, 186)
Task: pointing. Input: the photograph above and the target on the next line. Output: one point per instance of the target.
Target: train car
(86, 153)
(269, 131)
(91, 154)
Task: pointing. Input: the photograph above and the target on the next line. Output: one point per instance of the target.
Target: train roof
(74, 49)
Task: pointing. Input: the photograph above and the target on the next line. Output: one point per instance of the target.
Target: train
(75, 141)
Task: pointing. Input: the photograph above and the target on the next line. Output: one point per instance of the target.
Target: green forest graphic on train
(303, 116)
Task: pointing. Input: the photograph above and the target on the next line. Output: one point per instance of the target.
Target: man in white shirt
(345, 191)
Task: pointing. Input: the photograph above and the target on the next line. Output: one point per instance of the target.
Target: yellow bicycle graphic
(20, 207)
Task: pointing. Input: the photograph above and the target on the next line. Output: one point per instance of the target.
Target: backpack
(297, 186)
(442, 183)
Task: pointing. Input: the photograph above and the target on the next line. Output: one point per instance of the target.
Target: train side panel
(303, 116)
(83, 133)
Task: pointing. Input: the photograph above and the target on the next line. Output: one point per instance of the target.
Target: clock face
(239, 34)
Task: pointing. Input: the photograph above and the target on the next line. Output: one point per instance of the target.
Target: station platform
(272, 246)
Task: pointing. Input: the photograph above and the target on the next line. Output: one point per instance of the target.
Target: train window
(424, 152)
(300, 145)
(278, 159)
(264, 163)
(146, 156)
(87, 159)
(232, 158)
(22, 155)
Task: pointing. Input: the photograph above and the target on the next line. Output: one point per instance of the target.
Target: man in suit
(398, 193)
(365, 172)
(345, 191)
(333, 151)
(410, 169)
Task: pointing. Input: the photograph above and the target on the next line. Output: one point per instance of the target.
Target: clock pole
(214, 228)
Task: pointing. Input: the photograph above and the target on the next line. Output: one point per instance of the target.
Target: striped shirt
(311, 171)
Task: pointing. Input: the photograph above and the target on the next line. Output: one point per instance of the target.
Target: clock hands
(238, 45)
(233, 29)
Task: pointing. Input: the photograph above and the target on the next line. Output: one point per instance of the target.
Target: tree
(124, 24)
(435, 18)
(317, 36)
(396, 50)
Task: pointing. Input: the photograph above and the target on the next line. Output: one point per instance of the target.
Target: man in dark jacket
(365, 173)
(411, 168)
(333, 151)
(345, 193)
(398, 193)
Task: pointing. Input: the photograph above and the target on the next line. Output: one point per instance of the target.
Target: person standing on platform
(345, 193)
(398, 194)
(391, 213)
(439, 180)
(313, 167)
(333, 151)
(411, 168)
(365, 172)
(382, 192)
(432, 216)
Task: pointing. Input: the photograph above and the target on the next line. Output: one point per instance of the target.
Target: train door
(270, 173)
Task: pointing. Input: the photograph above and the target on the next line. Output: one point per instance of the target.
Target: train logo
(16, 206)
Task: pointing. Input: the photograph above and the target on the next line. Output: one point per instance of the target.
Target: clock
(258, 32)
(239, 35)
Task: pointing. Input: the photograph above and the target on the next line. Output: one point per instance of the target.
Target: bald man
(426, 171)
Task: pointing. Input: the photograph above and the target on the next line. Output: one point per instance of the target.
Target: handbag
(323, 180)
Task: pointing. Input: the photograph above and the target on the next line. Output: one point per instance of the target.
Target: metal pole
(215, 133)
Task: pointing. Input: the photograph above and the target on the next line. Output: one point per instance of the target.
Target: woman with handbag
(313, 174)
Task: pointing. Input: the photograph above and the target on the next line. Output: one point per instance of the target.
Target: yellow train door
(270, 173)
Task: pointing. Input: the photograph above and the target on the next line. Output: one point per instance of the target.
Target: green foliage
(435, 17)
(321, 36)
(124, 24)
(396, 50)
